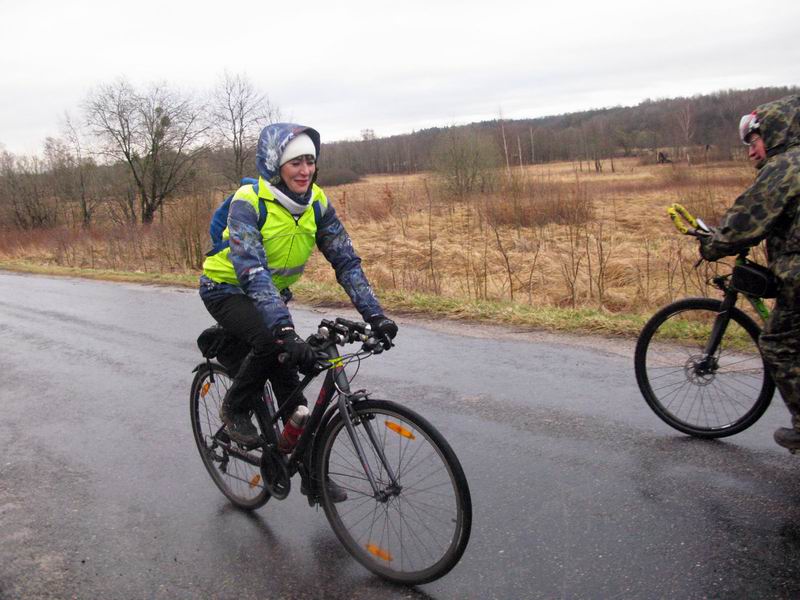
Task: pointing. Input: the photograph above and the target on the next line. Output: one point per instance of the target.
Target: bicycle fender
(323, 427)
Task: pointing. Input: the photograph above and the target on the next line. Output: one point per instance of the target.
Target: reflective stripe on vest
(288, 242)
(289, 272)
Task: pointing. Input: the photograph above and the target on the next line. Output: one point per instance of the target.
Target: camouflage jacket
(768, 208)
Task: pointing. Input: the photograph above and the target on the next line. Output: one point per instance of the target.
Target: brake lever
(698, 233)
(372, 345)
(702, 227)
(387, 342)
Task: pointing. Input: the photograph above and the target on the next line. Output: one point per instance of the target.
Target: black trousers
(237, 314)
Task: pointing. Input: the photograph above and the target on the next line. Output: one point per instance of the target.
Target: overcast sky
(390, 66)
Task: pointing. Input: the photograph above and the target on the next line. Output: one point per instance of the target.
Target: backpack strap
(218, 224)
(319, 210)
(262, 208)
(219, 219)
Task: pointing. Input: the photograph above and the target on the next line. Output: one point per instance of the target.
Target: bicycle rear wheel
(707, 397)
(235, 470)
(410, 534)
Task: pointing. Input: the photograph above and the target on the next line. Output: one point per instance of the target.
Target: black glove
(707, 251)
(294, 352)
(384, 329)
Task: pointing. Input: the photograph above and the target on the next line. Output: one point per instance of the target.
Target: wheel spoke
(412, 533)
(238, 479)
(700, 395)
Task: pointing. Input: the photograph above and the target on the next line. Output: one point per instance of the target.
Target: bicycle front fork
(382, 494)
(718, 330)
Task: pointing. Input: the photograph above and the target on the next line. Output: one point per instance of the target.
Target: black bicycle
(408, 512)
(697, 360)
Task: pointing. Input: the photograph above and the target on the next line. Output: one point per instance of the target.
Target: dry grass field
(548, 238)
(553, 237)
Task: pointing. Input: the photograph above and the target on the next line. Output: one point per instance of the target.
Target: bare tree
(72, 173)
(22, 187)
(86, 168)
(238, 112)
(467, 160)
(58, 174)
(685, 120)
(158, 134)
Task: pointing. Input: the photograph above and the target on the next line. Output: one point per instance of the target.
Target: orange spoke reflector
(400, 430)
(204, 391)
(255, 480)
(379, 552)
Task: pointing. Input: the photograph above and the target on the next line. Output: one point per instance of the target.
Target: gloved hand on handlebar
(707, 250)
(297, 352)
(384, 329)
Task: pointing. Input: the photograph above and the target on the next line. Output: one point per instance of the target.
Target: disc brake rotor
(700, 370)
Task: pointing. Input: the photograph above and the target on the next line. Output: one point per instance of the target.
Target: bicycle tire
(240, 481)
(722, 402)
(434, 499)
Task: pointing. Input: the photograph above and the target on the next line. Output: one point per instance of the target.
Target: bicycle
(697, 360)
(408, 512)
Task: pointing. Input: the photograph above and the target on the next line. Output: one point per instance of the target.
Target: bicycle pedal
(248, 447)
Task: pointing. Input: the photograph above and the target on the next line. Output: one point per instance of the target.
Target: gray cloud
(347, 67)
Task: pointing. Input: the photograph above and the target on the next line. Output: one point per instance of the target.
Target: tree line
(131, 150)
(700, 126)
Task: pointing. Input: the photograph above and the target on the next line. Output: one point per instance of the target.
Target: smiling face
(298, 173)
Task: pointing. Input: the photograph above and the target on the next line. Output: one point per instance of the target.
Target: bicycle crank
(275, 474)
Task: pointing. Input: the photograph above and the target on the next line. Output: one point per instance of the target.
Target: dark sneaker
(788, 438)
(239, 426)
(335, 492)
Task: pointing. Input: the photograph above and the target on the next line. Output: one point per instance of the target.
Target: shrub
(558, 203)
(337, 176)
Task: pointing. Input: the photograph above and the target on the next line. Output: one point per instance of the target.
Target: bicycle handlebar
(682, 219)
(341, 331)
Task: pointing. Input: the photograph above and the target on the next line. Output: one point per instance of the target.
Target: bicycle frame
(353, 455)
(303, 456)
(711, 382)
(688, 225)
(729, 300)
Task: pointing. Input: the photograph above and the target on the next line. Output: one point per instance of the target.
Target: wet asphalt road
(578, 490)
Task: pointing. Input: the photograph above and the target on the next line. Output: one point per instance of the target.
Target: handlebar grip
(352, 325)
(677, 212)
(686, 214)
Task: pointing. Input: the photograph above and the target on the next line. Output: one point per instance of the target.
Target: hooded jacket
(262, 262)
(768, 208)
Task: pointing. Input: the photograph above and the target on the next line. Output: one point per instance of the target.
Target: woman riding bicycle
(245, 286)
(768, 210)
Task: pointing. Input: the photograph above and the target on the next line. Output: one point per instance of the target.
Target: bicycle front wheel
(413, 529)
(704, 396)
(235, 470)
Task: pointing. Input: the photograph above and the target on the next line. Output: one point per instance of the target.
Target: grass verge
(321, 294)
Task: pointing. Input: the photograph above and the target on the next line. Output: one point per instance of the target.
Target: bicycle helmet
(748, 124)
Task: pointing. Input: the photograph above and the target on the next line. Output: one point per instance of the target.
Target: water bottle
(293, 428)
